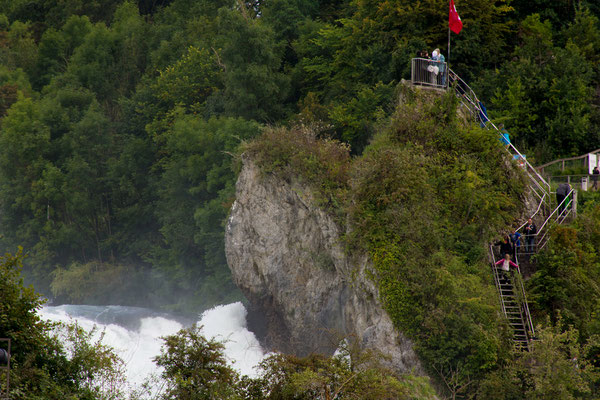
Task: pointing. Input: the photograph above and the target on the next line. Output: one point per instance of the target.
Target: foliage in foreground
(195, 369)
(557, 367)
(50, 361)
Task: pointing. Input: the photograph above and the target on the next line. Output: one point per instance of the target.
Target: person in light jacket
(440, 61)
(505, 265)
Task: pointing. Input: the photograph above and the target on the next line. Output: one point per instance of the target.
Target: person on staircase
(595, 174)
(530, 232)
(505, 246)
(504, 136)
(505, 265)
(561, 194)
(515, 239)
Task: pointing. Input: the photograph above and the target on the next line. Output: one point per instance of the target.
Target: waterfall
(135, 333)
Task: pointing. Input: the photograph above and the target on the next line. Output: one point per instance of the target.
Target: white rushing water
(135, 333)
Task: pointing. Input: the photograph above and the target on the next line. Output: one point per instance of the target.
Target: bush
(298, 153)
(47, 365)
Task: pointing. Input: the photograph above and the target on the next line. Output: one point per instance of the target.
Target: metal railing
(584, 181)
(497, 280)
(432, 73)
(426, 72)
(465, 94)
(539, 207)
(558, 215)
(469, 100)
(524, 306)
(561, 163)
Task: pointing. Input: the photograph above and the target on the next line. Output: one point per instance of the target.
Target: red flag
(453, 19)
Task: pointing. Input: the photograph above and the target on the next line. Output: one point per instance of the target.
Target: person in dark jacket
(595, 174)
(505, 247)
(561, 194)
(530, 232)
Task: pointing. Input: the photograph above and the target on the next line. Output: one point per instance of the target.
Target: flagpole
(448, 59)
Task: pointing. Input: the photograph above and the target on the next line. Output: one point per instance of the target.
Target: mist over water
(135, 333)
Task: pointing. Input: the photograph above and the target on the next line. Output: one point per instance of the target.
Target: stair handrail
(497, 280)
(562, 203)
(458, 82)
(558, 215)
(525, 304)
(539, 207)
(464, 92)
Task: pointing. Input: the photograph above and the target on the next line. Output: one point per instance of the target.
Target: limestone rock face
(305, 292)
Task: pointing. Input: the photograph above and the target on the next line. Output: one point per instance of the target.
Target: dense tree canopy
(121, 123)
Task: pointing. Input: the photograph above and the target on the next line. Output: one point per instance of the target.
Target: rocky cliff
(305, 292)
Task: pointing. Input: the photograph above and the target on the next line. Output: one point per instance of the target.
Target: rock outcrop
(305, 292)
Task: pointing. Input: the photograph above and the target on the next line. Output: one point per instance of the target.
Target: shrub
(297, 153)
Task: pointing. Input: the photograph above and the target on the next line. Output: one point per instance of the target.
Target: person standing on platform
(561, 196)
(440, 64)
(530, 232)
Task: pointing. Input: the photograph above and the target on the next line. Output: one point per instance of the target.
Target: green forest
(121, 122)
(121, 129)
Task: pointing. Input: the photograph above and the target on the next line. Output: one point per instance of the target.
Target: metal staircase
(513, 301)
(511, 290)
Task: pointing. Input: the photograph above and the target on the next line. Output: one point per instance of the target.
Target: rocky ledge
(305, 292)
